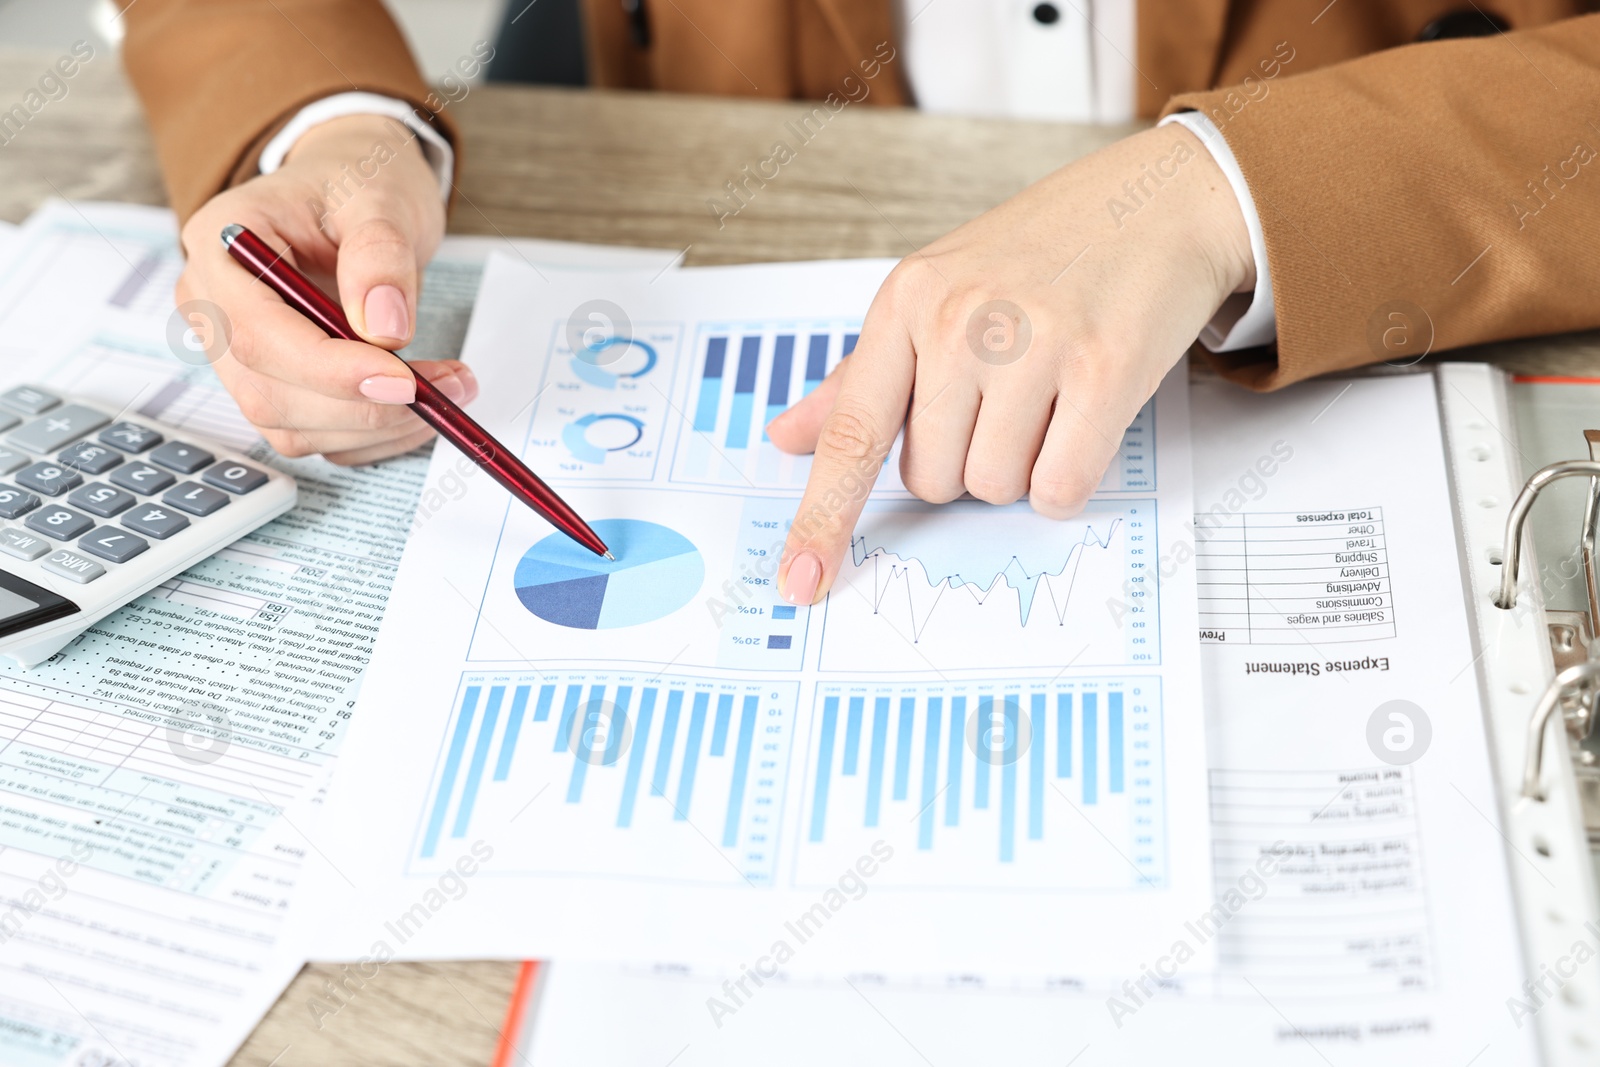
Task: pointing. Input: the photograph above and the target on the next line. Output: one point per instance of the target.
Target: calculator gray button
(108, 542)
(7, 420)
(61, 523)
(90, 458)
(141, 478)
(28, 400)
(11, 459)
(185, 459)
(73, 567)
(194, 498)
(57, 428)
(102, 500)
(129, 436)
(22, 544)
(156, 520)
(234, 477)
(14, 503)
(51, 479)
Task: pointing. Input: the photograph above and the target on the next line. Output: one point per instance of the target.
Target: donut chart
(575, 435)
(656, 572)
(600, 366)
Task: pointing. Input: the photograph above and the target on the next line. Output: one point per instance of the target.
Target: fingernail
(800, 587)
(453, 387)
(386, 313)
(388, 389)
(469, 383)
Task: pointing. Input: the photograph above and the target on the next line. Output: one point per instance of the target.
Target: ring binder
(1576, 681)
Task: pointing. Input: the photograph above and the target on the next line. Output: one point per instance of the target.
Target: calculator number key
(141, 478)
(15, 503)
(156, 521)
(185, 459)
(195, 499)
(108, 542)
(101, 500)
(51, 479)
(61, 523)
(130, 437)
(88, 458)
(234, 477)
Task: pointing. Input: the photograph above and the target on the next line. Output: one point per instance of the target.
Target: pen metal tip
(612, 558)
(229, 233)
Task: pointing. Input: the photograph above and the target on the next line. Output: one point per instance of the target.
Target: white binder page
(1361, 905)
(984, 750)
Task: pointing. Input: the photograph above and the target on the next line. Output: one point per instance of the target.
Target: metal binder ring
(1578, 674)
(1519, 514)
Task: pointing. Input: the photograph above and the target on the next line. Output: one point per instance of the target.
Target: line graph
(986, 587)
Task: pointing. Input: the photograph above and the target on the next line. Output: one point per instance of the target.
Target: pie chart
(656, 572)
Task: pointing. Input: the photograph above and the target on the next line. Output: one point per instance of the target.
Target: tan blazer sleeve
(219, 77)
(1456, 177)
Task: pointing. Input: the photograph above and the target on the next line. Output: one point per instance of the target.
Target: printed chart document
(984, 750)
(1361, 903)
(146, 863)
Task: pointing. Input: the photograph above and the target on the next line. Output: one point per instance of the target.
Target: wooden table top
(616, 168)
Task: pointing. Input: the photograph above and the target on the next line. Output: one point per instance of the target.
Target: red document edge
(506, 1054)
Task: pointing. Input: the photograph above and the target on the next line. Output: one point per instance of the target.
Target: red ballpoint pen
(436, 409)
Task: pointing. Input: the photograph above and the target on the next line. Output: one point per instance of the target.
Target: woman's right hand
(306, 392)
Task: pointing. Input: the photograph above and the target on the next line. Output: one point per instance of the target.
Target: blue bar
(1114, 738)
(1008, 785)
(452, 763)
(958, 736)
(581, 752)
(547, 696)
(1091, 755)
(880, 737)
(669, 737)
(719, 732)
(930, 771)
(1063, 735)
(816, 361)
(782, 611)
(744, 390)
(569, 708)
(617, 727)
(1036, 720)
(819, 799)
(741, 768)
(780, 640)
(705, 413)
(902, 751)
(480, 756)
(778, 384)
(508, 744)
(982, 755)
(641, 738)
(852, 736)
(691, 755)
(850, 340)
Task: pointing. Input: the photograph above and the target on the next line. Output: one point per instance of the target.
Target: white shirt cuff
(437, 150)
(1244, 320)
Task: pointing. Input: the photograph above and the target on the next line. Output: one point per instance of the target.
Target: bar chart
(1020, 785)
(743, 375)
(612, 773)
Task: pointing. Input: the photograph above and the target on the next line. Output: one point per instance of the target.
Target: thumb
(378, 274)
(797, 429)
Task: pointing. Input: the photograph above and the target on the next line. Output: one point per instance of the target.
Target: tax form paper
(984, 750)
(1361, 904)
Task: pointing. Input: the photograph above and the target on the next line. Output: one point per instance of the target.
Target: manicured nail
(386, 313)
(389, 389)
(453, 387)
(800, 587)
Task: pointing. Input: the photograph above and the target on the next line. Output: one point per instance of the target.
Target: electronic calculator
(98, 508)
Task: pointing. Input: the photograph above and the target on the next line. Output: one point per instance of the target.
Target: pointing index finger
(854, 442)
